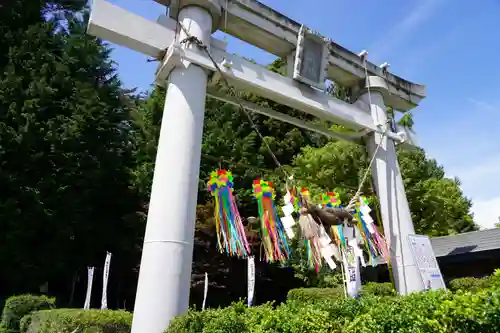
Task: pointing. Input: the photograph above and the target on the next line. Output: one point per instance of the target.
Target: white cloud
(486, 212)
(403, 30)
(480, 177)
(482, 105)
(481, 171)
(479, 181)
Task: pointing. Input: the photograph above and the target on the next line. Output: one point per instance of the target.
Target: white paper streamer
(327, 248)
(290, 233)
(105, 277)
(287, 209)
(288, 220)
(358, 252)
(90, 271)
(324, 239)
(327, 253)
(251, 280)
(205, 292)
(287, 198)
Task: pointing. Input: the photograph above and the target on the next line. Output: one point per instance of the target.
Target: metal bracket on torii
(158, 39)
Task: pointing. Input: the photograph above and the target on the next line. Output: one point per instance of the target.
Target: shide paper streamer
(231, 235)
(272, 231)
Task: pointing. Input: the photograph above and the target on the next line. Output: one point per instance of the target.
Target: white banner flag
(90, 271)
(105, 276)
(251, 280)
(352, 276)
(205, 292)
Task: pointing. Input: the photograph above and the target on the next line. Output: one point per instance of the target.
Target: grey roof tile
(476, 241)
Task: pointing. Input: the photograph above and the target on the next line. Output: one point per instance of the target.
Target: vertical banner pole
(90, 271)
(205, 292)
(251, 280)
(105, 276)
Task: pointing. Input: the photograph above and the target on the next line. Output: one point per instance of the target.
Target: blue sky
(449, 45)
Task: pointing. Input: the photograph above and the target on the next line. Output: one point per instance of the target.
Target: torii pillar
(388, 184)
(165, 271)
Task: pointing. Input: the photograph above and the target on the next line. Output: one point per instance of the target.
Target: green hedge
(16, 307)
(470, 284)
(313, 295)
(424, 312)
(308, 295)
(378, 289)
(433, 311)
(83, 321)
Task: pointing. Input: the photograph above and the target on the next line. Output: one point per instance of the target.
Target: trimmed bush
(413, 313)
(432, 311)
(83, 321)
(308, 295)
(314, 295)
(378, 289)
(470, 284)
(16, 307)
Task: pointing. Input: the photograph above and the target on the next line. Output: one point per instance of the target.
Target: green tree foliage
(437, 204)
(428, 189)
(64, 156)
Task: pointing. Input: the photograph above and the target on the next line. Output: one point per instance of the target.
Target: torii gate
(165, 273)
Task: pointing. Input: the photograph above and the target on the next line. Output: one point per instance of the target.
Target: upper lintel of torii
(158, 40)
(260, 25)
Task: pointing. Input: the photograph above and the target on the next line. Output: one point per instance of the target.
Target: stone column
(390, 189)
(165, 272)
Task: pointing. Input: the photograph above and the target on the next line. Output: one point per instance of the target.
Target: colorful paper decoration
(272, 231)
(304, 192)
(329, 199)
(231, 235)
(293, 199)
(374, 241)
(338, 236)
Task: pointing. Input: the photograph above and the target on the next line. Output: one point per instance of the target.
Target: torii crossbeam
(164, 279)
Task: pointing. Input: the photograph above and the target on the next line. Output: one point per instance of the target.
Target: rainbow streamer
(304, 192)
(313, 254)
(294, 199)
(272, 231)
(338, 236)
(231, 235)
(373, 240)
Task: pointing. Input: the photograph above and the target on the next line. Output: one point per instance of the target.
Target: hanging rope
(193, 39)
(197, 41)
(356, 196)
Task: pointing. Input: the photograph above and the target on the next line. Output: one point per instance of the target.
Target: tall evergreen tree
(64, 157)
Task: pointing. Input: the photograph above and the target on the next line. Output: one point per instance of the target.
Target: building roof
(476, 241)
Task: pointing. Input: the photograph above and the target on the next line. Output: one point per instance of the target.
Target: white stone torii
(165, 273)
